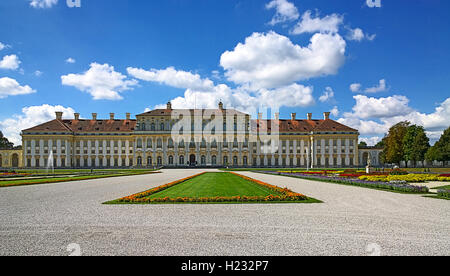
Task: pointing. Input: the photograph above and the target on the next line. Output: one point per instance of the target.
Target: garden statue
(369, 164)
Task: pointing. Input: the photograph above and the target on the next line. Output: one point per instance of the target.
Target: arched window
(214, 144)
(203, 160)
(159, 143)
(181, 144)
(139, 143)
(214, 160)
(159, 160)
(235, 161)
(171, 160)
(225, 160)
(149, 161)
(143, 126)
(162, 127)
(245, 161)
(181, 160)
(170, 143)
(235, 143)
(139, 161)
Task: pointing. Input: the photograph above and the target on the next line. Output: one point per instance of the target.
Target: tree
(415, 144)
(381, 144)
(4, 143)
(362, 144)
(393, 151)
(441, 150)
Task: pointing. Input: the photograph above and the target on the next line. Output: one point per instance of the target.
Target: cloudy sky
(372, 63)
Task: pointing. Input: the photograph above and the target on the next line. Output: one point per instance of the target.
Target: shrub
(444, 193)
(398, 172)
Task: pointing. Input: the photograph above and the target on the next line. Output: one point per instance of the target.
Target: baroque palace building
(180, 138)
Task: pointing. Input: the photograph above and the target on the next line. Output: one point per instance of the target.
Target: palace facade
(182, 138)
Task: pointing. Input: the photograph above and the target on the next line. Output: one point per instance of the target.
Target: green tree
(362, 144)
(441, 150)
(415, 144)
(393, 151)
(4, 143)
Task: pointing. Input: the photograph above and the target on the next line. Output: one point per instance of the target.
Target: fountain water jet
(50, 163)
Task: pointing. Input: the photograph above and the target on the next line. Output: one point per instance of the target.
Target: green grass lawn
(443, 188)
(22, 182)
(213, 185)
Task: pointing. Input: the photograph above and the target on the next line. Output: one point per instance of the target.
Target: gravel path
(45, 219)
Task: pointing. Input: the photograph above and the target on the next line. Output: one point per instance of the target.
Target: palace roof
(85, 126)
(286, 126)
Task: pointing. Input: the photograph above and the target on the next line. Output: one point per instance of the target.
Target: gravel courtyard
(45, 219)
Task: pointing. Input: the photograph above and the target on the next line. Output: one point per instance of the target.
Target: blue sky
(129, 56)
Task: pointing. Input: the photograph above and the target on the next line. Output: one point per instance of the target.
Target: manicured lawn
(215, 188)
(443, 188)
(22, 182)
(213, 185)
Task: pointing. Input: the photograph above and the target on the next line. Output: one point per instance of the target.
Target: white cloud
(70, 60)
(358, 35)
(327, 24)
(203, 93)
(373, 3)
(365, 127)
(101, 81)
(11, 62)
(30, 117)
(37, 73)
(43, 4)
(10, 87)
(355, 87)
(4, 46)
(335, 111)
(294, 95)
(371, 141)
(271, 60)
(327, 95)
(285, 11)
(370, 120)
(380, 88)
(381, 107)
(172, 77)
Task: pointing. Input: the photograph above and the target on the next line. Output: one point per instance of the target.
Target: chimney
(309, 116)
(169, 106)
(293, 116)
(128, 116)
(77, 116)
(277, 116)
(326, 115)
(94, 116)
(221, 106)
(59, 115)
(260, 116)
(111, 116)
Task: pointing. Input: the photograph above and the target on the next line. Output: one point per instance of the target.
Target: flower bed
(359, 182)
(411, 178)
(286, 195)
